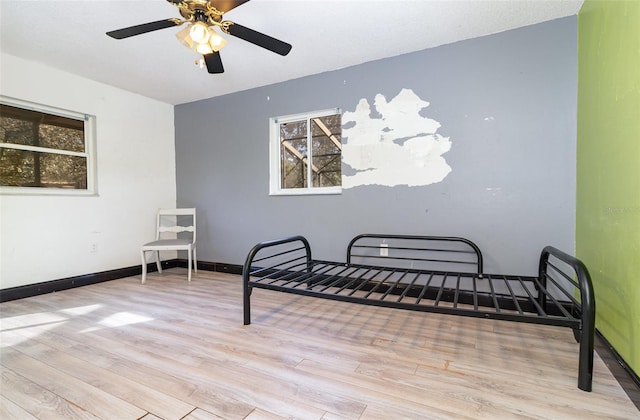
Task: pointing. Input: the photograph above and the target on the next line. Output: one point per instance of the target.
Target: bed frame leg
(247, 304)
(587, 337)
(585, 364)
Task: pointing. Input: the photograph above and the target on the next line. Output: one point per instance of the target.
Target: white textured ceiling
(326, 35)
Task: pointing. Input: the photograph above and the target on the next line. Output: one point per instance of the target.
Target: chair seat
(168, 244)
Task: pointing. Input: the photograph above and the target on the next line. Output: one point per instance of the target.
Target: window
(305, 153)
(44, 150)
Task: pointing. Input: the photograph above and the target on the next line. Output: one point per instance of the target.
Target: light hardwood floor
(171, 349)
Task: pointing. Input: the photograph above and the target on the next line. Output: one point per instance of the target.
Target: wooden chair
(172, 222)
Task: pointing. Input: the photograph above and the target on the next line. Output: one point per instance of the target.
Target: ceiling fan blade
(260, 39)
(143, 29)
(214, 62)
(225, 5)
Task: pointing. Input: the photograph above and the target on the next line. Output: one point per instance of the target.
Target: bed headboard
(437, 253)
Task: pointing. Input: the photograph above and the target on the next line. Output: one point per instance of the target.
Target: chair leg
(158, 264)
(144, 266)
(195, 260)
(189, 263)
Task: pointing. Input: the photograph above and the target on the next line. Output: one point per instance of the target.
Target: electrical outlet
(94, 248)
(384, 250)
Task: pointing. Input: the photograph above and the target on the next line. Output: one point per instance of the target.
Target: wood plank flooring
(170, 349)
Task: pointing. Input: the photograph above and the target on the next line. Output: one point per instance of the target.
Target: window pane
(326, 151)
(293, 154)
(33, 128)
(63, 138)
(305, 153)
(20, 168)
(15, 131)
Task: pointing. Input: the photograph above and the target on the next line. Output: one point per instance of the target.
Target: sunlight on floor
(16, 329)
(19, 328)
(118, 320)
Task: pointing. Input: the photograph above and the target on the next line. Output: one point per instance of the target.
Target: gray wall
(507, 101)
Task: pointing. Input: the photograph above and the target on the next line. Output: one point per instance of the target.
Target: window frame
(89, 150)
(275, 168)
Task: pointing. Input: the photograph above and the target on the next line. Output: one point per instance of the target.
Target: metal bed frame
(431, 274)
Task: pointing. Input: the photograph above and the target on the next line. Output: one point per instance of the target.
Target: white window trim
(275, 187)
(89, 153)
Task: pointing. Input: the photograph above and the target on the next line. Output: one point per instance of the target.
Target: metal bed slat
(313, 274)
(290, 278)
(391, 288)
(408, 287)
(424, 289)
(455, 298)
(542, 289)
(338, 276)
(442, 283)
(338, 280)
(532, 299)
(295, 274)
(354, 280)
(364, 283)
(493, 294)
(332, 276)
(380, 283)
(269, 276)
(513, 296)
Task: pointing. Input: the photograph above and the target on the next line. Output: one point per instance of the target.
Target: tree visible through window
(309, 149)
(43, 150)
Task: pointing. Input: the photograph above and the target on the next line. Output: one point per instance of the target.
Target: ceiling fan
(202, 16)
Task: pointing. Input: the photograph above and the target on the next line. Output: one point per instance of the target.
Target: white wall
(49, 237)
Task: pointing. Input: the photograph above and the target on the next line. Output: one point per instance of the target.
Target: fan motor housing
(198, 10)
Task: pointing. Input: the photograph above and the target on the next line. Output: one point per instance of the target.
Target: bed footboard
(568, 275)
(283, 257)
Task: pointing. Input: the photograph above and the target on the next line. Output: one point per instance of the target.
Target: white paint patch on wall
(401, 147)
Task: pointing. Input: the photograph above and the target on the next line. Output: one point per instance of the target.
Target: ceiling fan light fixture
(203, 48)
(216, 42)
(184, 38)
(199, 32)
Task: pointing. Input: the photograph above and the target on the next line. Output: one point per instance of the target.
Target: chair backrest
(169, 220)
